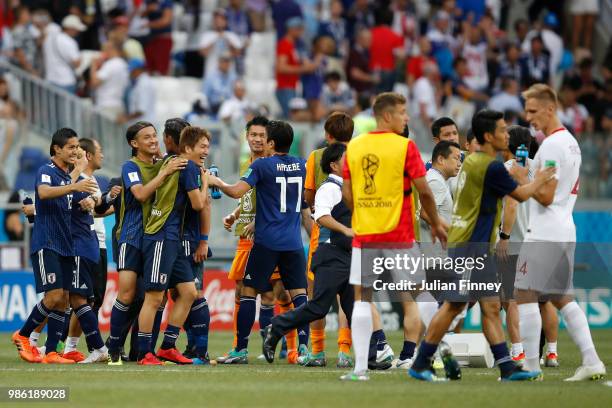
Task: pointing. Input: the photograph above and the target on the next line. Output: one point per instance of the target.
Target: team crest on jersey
(163, 278)
(51, 278)
(45, 178)
(247, 201)
(133, 176)
(369, 165)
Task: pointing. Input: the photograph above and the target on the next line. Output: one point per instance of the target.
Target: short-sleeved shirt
(279, 180)
(384, 41)
(404, 232)
(287, 48)
(52, 227)
(83, 230)
(115, 77)
(131, 227)
(156, 15)
(191, 225)
(189, 180)
(60, 51)
(497, 184)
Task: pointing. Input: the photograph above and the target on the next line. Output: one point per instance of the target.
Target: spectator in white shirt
(110, 79)
(425, 102)
(142, 96)
(62, 55)
(508, 99)
(219, 41)
(237, 107)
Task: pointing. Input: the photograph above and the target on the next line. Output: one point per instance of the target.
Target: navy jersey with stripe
(189, 179)
(279, 182)
(191, 226)
(131, 229)
(497, 184)
(83, 233)
(52, 229)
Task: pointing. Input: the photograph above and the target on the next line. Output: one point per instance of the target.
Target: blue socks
(246, 318)
(502, 358)
(144, 344)
(119, 319)
(89, 324)
(423, 358)
(380, 338)
(170, 336)
(55, 329)
(266, 313)
(407, 350)
(199, 319)
(67, 315)
(303, 331)
(38, 315)
(156, 325)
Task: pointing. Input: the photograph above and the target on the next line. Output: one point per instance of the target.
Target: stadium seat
(29, 162)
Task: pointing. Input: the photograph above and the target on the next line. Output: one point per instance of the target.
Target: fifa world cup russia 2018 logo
(369, 165)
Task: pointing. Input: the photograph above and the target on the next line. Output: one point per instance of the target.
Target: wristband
(203, 237)
(503, 235)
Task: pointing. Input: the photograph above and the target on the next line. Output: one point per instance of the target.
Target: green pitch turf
(279, 385)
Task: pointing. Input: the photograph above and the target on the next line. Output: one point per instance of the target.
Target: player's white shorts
(546, 267)
(361, 259)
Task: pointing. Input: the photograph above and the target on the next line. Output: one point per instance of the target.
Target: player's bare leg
(550, 327)
(512, 325)
(284, 302)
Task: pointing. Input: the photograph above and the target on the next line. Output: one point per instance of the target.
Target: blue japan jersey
(52, 226)
(131, 228)
(189, 179)
(191, 226)
(83, 232)
(279, 182)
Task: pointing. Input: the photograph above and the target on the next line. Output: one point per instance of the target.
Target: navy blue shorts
(82, 279)
(51, 270)
(130, 258)
(262, 262)
(197, 267)
(165, 265)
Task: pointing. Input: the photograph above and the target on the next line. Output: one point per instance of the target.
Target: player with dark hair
(172, 134)
(483, 182)
(444, 128)
(244, 218)
(279, 180)
(52, 249)
(338, 129)
(140, 178)
(331, 261)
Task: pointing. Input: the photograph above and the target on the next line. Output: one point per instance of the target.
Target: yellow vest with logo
(376, 162)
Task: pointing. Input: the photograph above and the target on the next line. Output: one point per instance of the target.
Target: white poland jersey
(555, 223)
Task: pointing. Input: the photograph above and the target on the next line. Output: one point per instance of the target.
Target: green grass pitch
(262, 385)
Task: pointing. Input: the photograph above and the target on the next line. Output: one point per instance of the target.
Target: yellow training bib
(376, 162)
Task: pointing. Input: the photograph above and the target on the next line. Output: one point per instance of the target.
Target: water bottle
(214, 191)
(26, 200)
(522, 153)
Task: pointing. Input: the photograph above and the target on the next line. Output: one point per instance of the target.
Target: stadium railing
(48, 108)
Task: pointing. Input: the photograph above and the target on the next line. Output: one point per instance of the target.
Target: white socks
(361, 331)
(578, 329)
(71, 344)
(427, 307)
(551, 348)
(530, 327)
(517, 348)
(34, 336)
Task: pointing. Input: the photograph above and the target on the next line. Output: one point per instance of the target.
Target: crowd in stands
(450, 57)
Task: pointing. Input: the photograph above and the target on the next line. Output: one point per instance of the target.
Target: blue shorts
(196, 267)
(82, 279)
(130, 258)
(51, 270)
(165, 265)
(262, 262)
